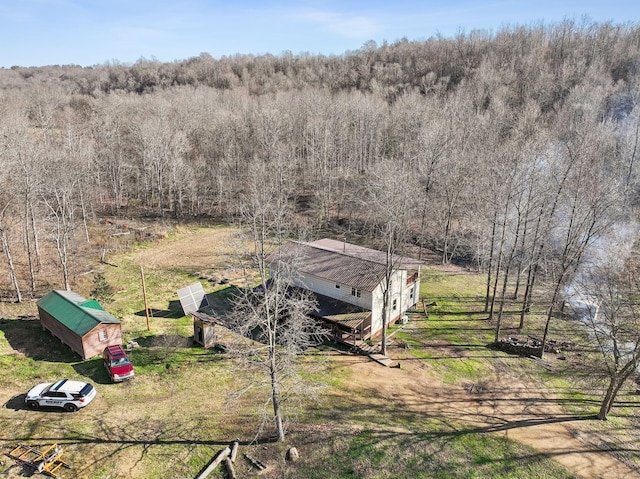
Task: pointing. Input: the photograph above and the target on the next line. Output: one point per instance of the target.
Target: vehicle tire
(32, 404)
(70, 407)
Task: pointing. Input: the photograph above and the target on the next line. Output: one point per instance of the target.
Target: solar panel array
(192, 298)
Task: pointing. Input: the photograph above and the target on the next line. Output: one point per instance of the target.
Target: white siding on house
(328, 288)
(334, 269)
(376, 311)
(400, 292)
(397, 294)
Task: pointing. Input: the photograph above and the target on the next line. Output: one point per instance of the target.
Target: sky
(95, 32)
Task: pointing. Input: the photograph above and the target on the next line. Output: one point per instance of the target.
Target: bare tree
(12, 150)
(390, 204)
(161, 148)
(112, 163)
(7, 252)
(274, 314)
(589, 204)
(63, 224)
(606, 299)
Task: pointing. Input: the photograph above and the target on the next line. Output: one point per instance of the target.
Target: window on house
(395, 304)
(102, 335)
(356, 292)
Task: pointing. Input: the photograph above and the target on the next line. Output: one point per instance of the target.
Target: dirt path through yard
(505, 405)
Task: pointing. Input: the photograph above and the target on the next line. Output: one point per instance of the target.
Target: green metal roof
(75, 312)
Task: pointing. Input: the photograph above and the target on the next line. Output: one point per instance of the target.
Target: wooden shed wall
(92, 343)
(204, 333)
(61, 332)
(87, 346)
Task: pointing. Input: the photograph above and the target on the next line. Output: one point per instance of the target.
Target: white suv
(67, 394)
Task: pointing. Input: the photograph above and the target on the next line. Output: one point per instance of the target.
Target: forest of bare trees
(514, 152)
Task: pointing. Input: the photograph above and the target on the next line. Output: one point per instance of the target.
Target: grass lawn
(176, 414)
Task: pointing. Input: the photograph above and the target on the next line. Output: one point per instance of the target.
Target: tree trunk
(554, 299)
(503, 294)
(275, 394)
(505, 282)
(489, 267)
(615, 383)
(527, 297)
(383, 348)
(27, 244)
(609, 398)
(498, 266)
(36, 237)
(12, 269)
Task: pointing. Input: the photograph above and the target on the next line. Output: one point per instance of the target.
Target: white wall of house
(402, 295)
(335, 290)
(398, 302)
(412, 293)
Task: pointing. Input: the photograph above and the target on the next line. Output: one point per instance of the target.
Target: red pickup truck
(117, 363)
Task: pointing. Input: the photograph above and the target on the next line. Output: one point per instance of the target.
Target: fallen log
(231, 473)
(234, 450)
(214, 463)
(541, 362)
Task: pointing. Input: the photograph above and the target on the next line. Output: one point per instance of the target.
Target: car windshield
(119, 362)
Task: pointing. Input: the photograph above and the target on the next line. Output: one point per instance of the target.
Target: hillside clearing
(449, 411)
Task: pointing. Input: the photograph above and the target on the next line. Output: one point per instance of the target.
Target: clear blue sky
(91, 32)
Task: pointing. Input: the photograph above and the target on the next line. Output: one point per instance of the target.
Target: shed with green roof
(82, 324)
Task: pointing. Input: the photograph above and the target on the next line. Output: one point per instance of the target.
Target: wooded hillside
(515, 151)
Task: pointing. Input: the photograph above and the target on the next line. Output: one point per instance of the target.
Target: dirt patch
(504, 405)
(218, 254)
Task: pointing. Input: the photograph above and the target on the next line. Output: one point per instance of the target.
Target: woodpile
(531, 346)
(228, 455)
(519, 347)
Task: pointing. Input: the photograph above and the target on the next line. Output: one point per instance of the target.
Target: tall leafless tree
(274, 314)
(605, 298)
(390, 204)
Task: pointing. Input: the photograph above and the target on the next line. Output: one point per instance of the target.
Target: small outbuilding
(194, 301)
(204, 332)
(81, 324)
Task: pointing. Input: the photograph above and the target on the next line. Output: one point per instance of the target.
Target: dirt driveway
(504, 405)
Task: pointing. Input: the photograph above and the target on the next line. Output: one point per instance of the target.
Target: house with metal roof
(81, 324)
(347, 281)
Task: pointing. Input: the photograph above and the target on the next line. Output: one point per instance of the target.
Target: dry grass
(370, 422)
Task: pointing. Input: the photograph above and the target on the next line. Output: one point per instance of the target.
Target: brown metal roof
(367, 254)
(204, 317)
(343, 263)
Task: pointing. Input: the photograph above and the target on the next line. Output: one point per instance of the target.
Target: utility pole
(144, 295)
